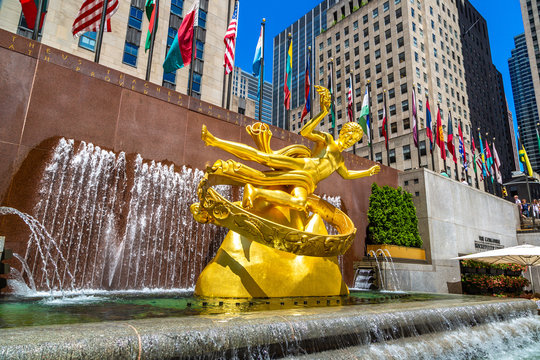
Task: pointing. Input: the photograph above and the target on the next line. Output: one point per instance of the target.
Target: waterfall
(116, 222)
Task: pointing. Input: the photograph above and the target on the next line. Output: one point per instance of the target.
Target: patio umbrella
(528, 255)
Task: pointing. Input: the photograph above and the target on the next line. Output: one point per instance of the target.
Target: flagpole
(333, 98)
(101, 28)
(433, 132)
(352, 106)
(386, 128)
(261, 75)
(152, 40)
(37, 22)
(417, 132)
(370, 120)
(225, 68)
(288, 111)
(193, 51)
(310, 87)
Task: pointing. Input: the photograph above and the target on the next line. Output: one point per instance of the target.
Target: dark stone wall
(47, 94)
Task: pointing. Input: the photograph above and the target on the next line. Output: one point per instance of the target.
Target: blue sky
(503, 19)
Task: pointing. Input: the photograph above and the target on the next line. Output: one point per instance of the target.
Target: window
(88, 40)
(391, 93)
(404, 88)
(379, 98)
(393, 128)
(378, 68)
(399, 27)
(130, 54)
(400, 42)
(378, 157)
(387, 20)
(177, 6)
(406, 124)
(202, 19)
(379, 83)
(398, 13)
(200, 49)
(377, 40)
(357, 64)
(355, 38)
(338, 36)
(366, 32)
(366, 45)
(346, 31)
(355, 25)
(366, 59)
(367, 73)
(402, 73)
(376, 26)
(356, 51)
(375, 13)
(392, 155)
(338, 48)
(338, 61)
(422, 147)
(387, 34)
(365, 19)
(392, 109)
(406, 152)
(377, 54)
(389, 63)
(389, 48)
(386, 6)
(329, 41)
(401, 57)
(390, 78)
(405, 105)
(135, 18)
(338, 74)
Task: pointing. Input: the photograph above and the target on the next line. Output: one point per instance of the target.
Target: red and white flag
(497, 165)
(230, 41)
(89, 17)
(350, 115)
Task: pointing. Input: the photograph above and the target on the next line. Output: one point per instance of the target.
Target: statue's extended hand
(325, 97)
(206, 136)
(374, 170)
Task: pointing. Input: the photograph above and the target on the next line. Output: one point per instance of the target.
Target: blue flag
(258, 55)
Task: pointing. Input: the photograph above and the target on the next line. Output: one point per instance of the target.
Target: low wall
(454, 219)
(47, 94)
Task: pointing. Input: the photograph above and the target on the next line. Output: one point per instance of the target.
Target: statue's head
(350, 133)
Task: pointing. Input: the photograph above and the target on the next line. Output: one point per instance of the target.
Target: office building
(245, 96)
(123, 48)
(303, 32)
(524, 98)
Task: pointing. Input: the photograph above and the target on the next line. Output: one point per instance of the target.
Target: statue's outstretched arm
(355, 174)
(246, 152)
(308, 131)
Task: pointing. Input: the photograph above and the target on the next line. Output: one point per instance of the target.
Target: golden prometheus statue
(278, 245)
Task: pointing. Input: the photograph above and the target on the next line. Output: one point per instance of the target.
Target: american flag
(89, 17)
(230, 41)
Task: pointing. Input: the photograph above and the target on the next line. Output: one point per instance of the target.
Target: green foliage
(355, 8)
(392, 218)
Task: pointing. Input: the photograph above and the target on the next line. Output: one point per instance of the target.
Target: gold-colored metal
(277, 232)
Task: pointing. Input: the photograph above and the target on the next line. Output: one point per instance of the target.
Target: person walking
(524, 208)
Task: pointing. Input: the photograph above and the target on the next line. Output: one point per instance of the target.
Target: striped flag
(440, 135)
(287, 87)
(384, 122)
(497, 163)
(179, 54)
(89, 17)
(350, 115)
(307, 89)
(462, 147)
(414, 127)
(450, 138)
(151, 12)
(230, 41)
(429, 132)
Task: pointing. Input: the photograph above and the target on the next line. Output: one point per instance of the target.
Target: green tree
(392, 217)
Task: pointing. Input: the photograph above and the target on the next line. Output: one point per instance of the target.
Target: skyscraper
(245, 91)
(524, 98)
(303, 32)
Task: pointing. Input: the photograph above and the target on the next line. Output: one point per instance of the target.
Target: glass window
(406, 152)
(177, 6)
(392, 155)
(196, 85)
(375, 13)
(135, 18)
(202, 19)
(130, 54)
(390, 78)
(88, 40)
(200, 49)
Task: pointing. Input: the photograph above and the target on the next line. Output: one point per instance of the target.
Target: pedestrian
(463, 181)
(518, 203)
(524, 208)
(534, 209)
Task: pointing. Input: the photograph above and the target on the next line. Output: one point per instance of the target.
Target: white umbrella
(528, 255)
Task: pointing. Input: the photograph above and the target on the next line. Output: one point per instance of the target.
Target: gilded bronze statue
(280, 220)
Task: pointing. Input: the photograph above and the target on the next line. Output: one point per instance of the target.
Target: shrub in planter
(392, 218)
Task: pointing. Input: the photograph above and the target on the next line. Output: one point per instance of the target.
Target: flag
(364, 116)
(89, 17)
(331, 89)
(307, 89)
(258, 55)
(230, 41)
(524, 158)
(288, 78)
(497, 163)
(179, 54)
(462, 147)
(384, 122)
(489, 161)
(30, 10)
(350, 115)
(538, 138)
(151, 12)
(440, 135)
(450, 138)
(414, 128)
(482, 157)
(474, 153)
(429, 132)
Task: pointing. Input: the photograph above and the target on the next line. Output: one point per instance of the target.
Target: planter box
(401, 252)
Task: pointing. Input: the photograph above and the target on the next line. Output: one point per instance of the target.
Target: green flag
(364, 116)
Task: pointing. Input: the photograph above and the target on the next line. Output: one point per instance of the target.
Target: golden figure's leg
(246, 152)
(297, 199)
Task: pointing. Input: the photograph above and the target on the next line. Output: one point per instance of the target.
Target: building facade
(245, 96)
(303, 32)
(524, 98)
(395, 46)
(123, 48)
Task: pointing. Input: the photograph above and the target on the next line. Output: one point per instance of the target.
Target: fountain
(117, 253)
